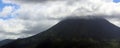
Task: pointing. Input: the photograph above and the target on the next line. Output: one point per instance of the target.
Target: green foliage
(79, 43)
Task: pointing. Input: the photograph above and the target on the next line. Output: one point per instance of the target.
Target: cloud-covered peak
(34, 16)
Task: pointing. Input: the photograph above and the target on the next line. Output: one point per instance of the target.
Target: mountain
(6, 41)
(73, 33)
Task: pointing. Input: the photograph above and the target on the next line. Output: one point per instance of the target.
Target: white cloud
(115, 21)
(62, 8)
(7, 10)
(12, 25)
(18, 28)
(12, 36)
(34, 14)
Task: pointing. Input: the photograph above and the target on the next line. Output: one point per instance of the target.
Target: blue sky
(2, 5)
(116, 0)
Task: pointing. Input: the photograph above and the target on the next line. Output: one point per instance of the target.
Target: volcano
(73, 33)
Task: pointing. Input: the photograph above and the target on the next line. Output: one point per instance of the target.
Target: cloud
(12, 36)
(18, 28)
(40, 26)
(35, 16)
(7, 10)
(62, 8)
(115, 21)
(13, 25)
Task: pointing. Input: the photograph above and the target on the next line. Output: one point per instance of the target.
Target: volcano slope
(73, 33)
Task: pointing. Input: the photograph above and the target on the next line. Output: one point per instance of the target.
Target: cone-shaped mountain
(69, 32)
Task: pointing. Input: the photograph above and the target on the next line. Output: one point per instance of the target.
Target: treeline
(78, 43)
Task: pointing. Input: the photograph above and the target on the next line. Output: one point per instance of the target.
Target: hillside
(73, 33)
(6, 41)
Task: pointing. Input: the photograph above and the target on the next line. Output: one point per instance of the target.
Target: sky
(24, 18)
(7, 6)
(116, 1)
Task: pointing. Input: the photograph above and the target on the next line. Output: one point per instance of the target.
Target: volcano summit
(73, 33)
